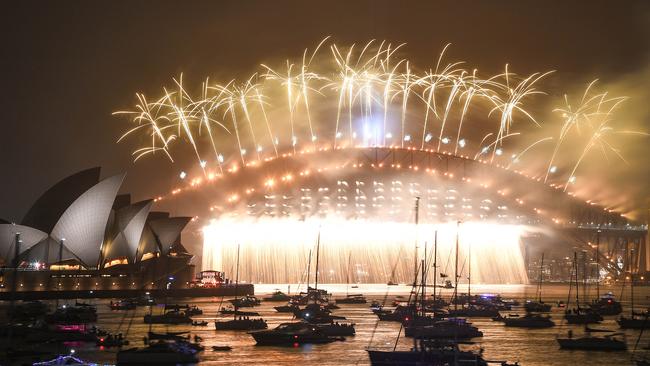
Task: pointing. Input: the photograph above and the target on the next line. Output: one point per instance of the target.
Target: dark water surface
(528, 347)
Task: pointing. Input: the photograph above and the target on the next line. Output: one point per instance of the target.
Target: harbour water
(534, 347)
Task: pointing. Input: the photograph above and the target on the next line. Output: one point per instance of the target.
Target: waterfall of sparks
(276, 250)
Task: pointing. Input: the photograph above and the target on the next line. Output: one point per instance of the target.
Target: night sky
(67, 65)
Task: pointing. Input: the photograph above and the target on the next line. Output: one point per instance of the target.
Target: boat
(391, 283)
(452, 328)
(315, 313)
(158, 353)
(538, 306)
(27, 310)
(529, 321)
(68, 360)
(289, 308)
(112, 341)
(127, 304)
(247, 301)
(170, 317)
(606, 305)
(277, 296)
(500, 317)
(428, 352)
(352, 299)
(201, 323)
(169, 336)
(590, 343)
(193, 310)
(474, 311)
(241, 322)
(635, 320)
(579, 315)
(73, 314)
(582, 316)
(221, 348)
(291, 334)
(337, 329)
(231, 311)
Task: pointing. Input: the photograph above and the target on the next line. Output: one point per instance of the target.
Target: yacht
(582, 316)
(277, 296)
(428, 352)
(231, 311)
(241, 323)
(529, 321)
(247, 301)
(337, 329)
(170, 317)
(537, 307)
(606, 305)
(589, 343)
(289, 334)
(158, 353)
(453, 328)
(352, 299)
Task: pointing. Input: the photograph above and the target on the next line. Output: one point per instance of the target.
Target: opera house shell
(81, 234)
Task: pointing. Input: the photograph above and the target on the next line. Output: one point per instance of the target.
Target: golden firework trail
(381, 96)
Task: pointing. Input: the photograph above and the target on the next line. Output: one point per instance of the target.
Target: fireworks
(361, 96)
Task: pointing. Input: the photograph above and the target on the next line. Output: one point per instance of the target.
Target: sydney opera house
(82, 235)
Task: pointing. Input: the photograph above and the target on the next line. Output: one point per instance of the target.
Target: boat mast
(308, 271)
(539, 285)
(631, 282)
(417, 219)
(456, 269)
(469, 273)
(584, 276)
(236, 285)
(597, 264)
(424, 279)
(575, 264)
(435, 263)
(347, 287)
(317, 254)
(423, 299)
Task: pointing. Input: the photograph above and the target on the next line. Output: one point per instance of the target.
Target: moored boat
(352, 299)
(171, 317)
(529, 321)
(453, 328)
(241, 324)
(277, 296)
(164, 353)
(290, 334)
(589, 343)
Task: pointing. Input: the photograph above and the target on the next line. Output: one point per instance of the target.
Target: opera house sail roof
(82, 218)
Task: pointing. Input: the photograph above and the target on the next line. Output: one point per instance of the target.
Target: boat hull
(408, 358)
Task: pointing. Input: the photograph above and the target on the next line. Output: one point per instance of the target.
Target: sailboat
(351, 298)
(423, 326)
(538, 306)
(607, 304)
(241, 322)
(635, 320)
(579, 315)
(472, 309)
(590, 343)
(315, 312)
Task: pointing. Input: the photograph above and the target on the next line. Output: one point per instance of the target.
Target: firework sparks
(377, 94)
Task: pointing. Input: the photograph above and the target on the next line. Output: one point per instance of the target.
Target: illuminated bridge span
(377, 184)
